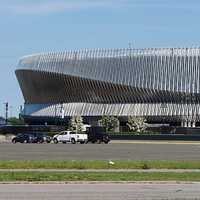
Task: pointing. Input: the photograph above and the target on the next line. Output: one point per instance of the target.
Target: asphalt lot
(9, 151)
(99, 191)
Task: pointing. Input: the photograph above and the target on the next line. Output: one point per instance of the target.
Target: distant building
(160, 84)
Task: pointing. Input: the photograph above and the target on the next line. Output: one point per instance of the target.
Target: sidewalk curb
(177, 142)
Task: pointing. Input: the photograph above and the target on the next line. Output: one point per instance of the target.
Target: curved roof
(116, 78)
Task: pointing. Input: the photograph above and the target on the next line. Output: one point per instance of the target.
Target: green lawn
(100, 164)
(97, 176)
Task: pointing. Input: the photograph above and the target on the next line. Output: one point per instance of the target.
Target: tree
(109, 122)
(136, 124)
(76, 124)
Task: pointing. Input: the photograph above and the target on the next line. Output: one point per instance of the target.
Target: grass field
(100, 164)
(97, 176)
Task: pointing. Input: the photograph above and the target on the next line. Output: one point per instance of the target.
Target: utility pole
(6, 112)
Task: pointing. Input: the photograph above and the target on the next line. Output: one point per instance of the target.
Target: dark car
(23, 138)
(97, 134)
(41, 137)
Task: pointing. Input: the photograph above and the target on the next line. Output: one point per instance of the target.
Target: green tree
(76, 124)
(109, 122)
(136, 124)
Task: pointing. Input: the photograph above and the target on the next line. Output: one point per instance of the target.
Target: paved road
(99, 191)
(99, 151)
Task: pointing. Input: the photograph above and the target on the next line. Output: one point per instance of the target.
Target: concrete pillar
(193, 124)
(182, 123)
(189, 124)
(185, 123)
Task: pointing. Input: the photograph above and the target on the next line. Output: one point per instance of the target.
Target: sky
(33, 26)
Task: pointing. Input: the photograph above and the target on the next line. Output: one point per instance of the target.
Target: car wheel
(55, 141)
(98, 141)
(14, 141)
(106, 142)
(41, 141)
(73, 141)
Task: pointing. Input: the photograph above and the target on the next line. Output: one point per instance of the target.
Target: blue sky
(31, 26)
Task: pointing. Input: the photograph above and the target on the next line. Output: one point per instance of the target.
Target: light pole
(6, 112)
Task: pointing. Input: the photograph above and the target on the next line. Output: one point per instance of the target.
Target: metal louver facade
(155, 83)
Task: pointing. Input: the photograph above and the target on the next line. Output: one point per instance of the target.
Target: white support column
(193, 124)
(182, 123)
(185, 123)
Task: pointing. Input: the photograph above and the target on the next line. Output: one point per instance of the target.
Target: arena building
(160, 84)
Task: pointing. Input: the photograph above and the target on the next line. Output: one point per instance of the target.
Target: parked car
(41, 137)
(23, 138)
(97, 134)
(69, 136)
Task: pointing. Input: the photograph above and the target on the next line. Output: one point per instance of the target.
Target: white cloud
(45, 7)
(58, 6)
